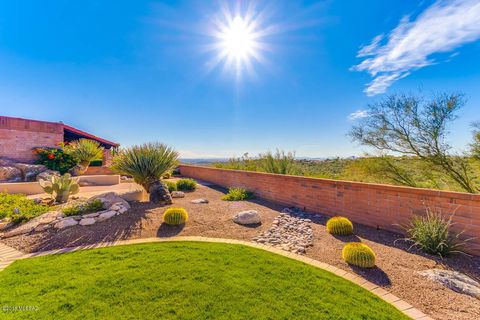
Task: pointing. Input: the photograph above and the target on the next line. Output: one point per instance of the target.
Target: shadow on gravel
(374, 275)
(165, 230)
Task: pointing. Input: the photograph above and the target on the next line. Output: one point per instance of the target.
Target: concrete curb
(8, 255)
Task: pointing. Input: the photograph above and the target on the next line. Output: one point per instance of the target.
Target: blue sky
(141, 71)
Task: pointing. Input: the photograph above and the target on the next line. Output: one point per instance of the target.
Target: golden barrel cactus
(339, 225)
(358, 254)
(175, 216)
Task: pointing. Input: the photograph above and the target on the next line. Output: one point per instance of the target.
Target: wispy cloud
(357, 115)
(442, 27)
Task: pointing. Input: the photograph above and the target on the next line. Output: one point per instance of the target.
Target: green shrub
(172, 186)
(431, 233)
(18, 208)
(237, 194)
(278, 162)
(83, 207)
(358, 254)
(146, 163)
(175, 216)
(186, 184)
(339, 225)
(55, 159)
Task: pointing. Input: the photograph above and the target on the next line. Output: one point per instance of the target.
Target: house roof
(82, 134)
(69, 132)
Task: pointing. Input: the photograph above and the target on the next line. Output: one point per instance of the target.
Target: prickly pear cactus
(60, 187)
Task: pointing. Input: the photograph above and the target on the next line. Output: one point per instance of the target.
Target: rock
(454, 280)
(47, 217)
(198, 201)
(178, 194)
(159, 193)
(10, 174)
(109, 199)
(64, 223)
(247, 217)
(106, 215)
(87, 221)
(115, 207)
(42, 227)
(47, 175)
(30, 171)
(122, 210)
(91, 215)
(289, 232)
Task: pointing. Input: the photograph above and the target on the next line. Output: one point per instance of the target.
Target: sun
(239, 40)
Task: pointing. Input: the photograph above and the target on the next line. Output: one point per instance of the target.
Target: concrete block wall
(376, 205)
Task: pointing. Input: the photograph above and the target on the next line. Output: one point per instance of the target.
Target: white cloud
(357, 115)
(442, 27)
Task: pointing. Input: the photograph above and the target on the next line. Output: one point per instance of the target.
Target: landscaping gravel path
(396, 271)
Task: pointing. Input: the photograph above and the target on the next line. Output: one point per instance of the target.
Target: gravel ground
(396, 269)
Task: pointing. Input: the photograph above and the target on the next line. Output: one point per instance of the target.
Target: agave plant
(60, 187)
(146, 163)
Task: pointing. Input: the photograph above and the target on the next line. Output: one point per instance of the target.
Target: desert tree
(414, 126)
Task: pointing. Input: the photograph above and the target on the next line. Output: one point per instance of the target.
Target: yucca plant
(278, 162)
(145, 163)
(431, 233)
(85, 150)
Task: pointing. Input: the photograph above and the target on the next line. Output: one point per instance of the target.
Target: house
(18, 137)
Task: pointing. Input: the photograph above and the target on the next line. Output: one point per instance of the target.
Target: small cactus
(358, 254)
(339, 225)
(175, 216)
(60, 187)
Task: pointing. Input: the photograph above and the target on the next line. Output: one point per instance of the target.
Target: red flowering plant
(55, 158)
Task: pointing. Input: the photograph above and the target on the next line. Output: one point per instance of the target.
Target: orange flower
(51, 156)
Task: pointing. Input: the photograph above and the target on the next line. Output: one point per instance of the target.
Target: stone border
(8, 255)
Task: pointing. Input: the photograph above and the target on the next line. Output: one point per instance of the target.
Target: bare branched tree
(409, 125)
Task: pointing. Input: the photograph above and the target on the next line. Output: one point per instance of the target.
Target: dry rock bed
(398, 270)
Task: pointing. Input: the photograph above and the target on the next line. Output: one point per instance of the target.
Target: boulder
(109, 199)
(64, 223)
(159, 193)
(106, 215)
(454, 280)
(47, 175)
(247, 217)
(87, 221)
(178, 194)
(199, 201)
(91, 215)
(30, 171)
(10, 174)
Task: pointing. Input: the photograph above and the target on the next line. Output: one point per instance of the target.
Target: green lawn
(181, 280)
